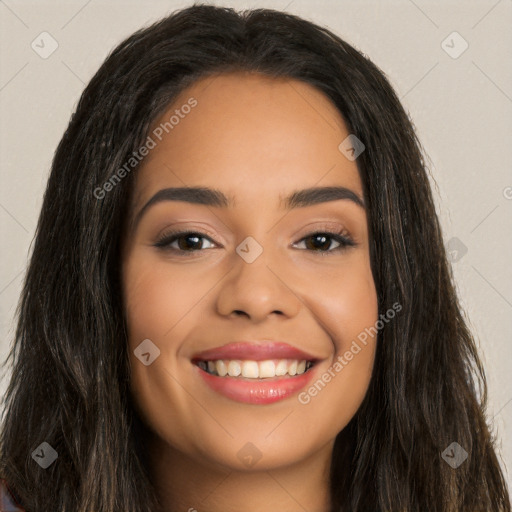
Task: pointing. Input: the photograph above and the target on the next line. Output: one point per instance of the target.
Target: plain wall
(461, 107)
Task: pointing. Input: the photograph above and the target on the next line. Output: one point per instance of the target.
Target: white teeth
(234, 369)
(267, 369)
(281, 368)
(250, 369)
(256, 369)
(221, 368)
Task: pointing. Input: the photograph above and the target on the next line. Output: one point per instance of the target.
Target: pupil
(324, 244)
(186, 245)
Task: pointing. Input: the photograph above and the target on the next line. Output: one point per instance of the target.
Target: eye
(320, 241)
(194, 241)
(183, 241)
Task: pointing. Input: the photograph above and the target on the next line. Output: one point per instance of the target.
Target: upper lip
(254, 351)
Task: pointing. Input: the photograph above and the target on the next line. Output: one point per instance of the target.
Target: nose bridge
(255, 286)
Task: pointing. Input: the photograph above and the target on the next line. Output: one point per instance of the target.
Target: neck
(184, 484)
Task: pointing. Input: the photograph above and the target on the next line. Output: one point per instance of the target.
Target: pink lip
(255, 391)
(253, 351)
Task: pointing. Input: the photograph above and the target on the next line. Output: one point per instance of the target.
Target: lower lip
(257, 391)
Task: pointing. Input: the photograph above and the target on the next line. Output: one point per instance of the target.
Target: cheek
(156, 305)
(156, 299)
(351, 315)
(350, 306)
(343, 300)
(339, 304)
(345, 305)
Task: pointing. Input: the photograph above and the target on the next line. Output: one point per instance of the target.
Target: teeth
(267, 369)
(221, 368)
(234, 369)
(255, 369)
(250, 369)
(282, 368)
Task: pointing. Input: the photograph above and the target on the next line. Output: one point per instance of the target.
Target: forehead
(250, 135)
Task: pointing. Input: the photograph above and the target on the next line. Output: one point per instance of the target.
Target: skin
(256, 139)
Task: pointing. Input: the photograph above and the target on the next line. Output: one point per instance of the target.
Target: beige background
(462, 108)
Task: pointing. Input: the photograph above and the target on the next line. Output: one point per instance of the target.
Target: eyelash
(339, 236)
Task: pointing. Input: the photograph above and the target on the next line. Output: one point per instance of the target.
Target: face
(256, 265)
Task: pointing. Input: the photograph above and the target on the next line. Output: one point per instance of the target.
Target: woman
(239, 297)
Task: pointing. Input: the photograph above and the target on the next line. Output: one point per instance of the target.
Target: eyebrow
(212, 197)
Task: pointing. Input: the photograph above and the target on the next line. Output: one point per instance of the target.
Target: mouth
(255, 370)
(256, 382)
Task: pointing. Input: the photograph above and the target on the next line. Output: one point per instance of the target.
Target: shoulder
(7, 502)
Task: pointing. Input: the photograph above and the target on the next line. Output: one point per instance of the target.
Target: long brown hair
(70, 368)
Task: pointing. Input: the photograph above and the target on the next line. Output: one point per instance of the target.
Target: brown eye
(321, 242)
(187, 241)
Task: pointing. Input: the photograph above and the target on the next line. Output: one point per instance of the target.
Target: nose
(256, 290)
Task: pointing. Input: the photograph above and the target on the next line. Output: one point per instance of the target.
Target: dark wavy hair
(70, 365)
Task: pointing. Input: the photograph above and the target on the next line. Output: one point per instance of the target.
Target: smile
(255, 369)
(255, 372)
